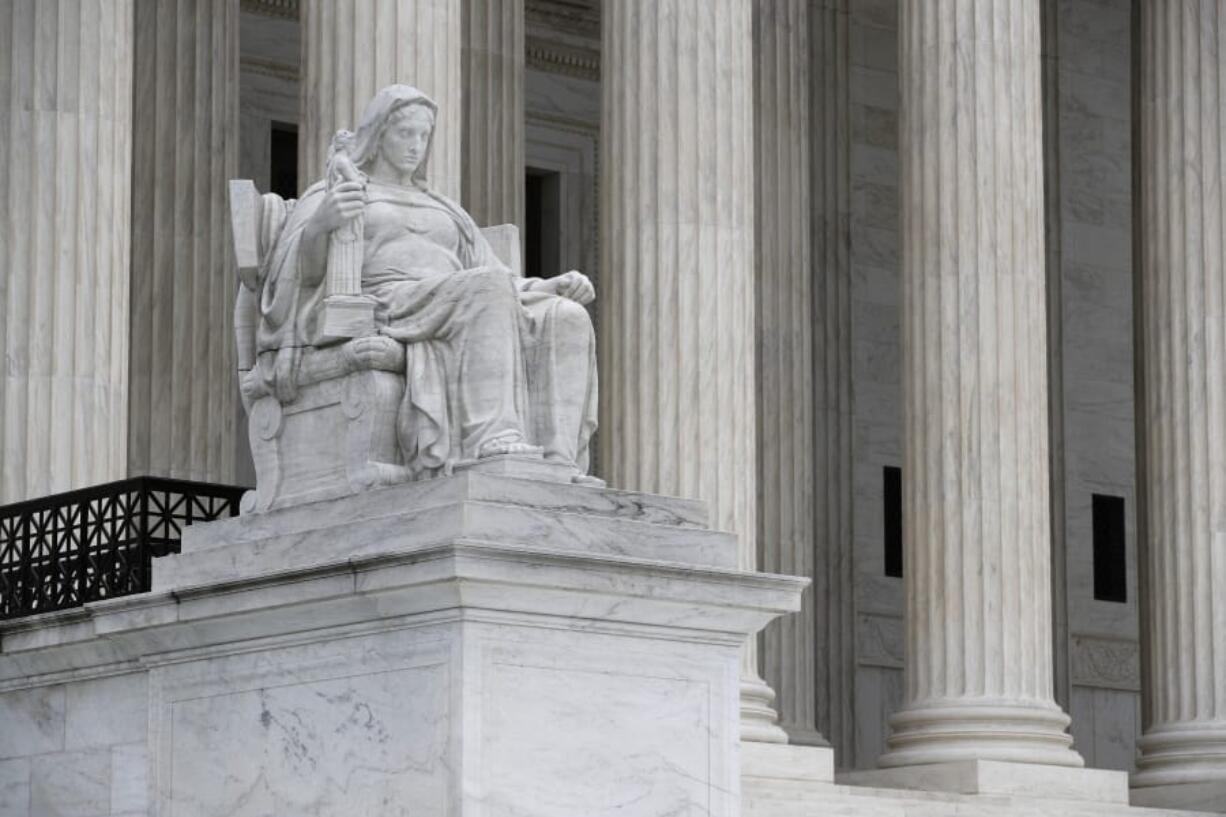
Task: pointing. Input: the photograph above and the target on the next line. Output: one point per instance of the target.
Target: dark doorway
(283, 160)
(542, 223)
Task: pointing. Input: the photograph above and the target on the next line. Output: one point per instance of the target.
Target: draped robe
(489, 358)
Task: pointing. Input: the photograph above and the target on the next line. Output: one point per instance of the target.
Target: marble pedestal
(472, 645)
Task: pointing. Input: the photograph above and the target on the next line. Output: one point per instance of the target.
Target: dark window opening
(892, 496)
(283, 160)
(1110, 564)
(542, 223)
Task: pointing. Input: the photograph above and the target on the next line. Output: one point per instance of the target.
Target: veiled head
(398, 126)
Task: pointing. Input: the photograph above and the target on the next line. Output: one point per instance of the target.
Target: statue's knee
(573, 322)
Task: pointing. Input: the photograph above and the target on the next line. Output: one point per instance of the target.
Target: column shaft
(493, 149)
(677, 346)
(65, 183)
(352, 48)
(183, 408)
(1182, 317)
(975, 464)
(784, 359)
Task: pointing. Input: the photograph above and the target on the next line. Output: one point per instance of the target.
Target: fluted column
(493, 149)
(784, 319)
(65, 183)
(352, 48)
(183, 406)
(677, 348)
(975, 466)
(1182, 315)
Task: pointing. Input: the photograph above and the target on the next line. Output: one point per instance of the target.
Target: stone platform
(775, 798)
(472, 645)
(994, 777)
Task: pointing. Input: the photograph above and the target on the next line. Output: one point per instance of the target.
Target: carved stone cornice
(287, 9)
(557, 58)
(570, 18)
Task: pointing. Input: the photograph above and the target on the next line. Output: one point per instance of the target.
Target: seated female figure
(495, 363)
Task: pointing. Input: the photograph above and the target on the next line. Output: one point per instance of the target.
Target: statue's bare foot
(509, 443)
(588, 480)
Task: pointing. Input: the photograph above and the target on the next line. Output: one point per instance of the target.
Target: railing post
(23, 567)
(83, 545)
(146, 556)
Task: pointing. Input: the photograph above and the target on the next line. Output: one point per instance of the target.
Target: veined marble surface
(538, 649)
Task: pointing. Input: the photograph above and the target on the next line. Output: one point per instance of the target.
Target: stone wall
(876, 356)
(75, 748)
(1094, 181)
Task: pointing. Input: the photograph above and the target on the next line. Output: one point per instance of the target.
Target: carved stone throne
(354, 386)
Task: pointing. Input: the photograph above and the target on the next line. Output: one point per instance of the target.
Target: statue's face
(406, 138)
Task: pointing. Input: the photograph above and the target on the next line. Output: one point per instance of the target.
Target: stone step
(797, 799)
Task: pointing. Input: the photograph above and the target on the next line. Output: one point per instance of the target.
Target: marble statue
(381, 336)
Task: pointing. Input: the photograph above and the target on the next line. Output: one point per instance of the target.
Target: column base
(965, 731)
(759, 721)
(1000, 778)
(1209, 797)
(1180, 754)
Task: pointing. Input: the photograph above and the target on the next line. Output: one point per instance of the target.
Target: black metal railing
(95, 543)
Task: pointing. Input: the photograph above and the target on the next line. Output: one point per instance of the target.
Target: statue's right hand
(342, 204)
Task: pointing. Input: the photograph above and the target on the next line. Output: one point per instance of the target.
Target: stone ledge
(994, 777)
(471, 486)
(769, 762)
(1204, 797)
(419, 516)
(776, 798)
(484, 579)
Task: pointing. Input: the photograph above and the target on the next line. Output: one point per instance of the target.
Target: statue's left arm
(573, 285)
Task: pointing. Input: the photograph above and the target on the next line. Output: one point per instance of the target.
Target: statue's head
(396, 127)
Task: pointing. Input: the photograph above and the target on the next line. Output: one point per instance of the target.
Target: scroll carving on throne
(382, 337)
